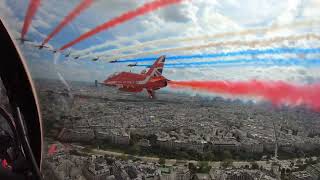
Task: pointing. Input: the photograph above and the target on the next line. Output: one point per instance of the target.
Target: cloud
(7, 14)
(188, 19)
(252, 13)
(179, 13)
(289, 74)
(311, 9)
(192, 18)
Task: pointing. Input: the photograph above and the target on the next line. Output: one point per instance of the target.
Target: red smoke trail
(278, 92)
(52, 149)
(4, 164)
(74, 13)
(32, 9)
(148, 7)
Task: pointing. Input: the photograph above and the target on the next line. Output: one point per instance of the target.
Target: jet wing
(125, 77)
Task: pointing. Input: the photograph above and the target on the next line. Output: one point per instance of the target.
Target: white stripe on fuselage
(147, 78)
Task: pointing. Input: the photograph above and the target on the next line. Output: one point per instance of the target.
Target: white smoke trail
(254, 43)
(56, 57)
(196, 38)
(64, 82)
(106, 44)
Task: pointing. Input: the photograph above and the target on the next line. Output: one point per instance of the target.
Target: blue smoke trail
(236, 53)
(245, 62)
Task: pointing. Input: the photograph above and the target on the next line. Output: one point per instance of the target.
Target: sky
(191, 18)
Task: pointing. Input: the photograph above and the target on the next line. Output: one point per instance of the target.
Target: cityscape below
(96, 132)
(160, 90)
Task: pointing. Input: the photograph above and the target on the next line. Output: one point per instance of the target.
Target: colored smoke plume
(148, 7)
(52, 149)
(297, 24)
(277, 92)
(32, 9)
(246, 62)
(271, 51)
(73, 14)
(251, 44)
(4, 163)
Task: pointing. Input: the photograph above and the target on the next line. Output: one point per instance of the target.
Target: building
(314, 170)
(60, 155)
(166, 143)
(252, 146)
(119, 172)
(202, 176)
(225, 145)
(239, 176)
(132, 171)
(111, 177)
(97, 170)
(300, 175)
(145, 143)
(196, 145)
(171, 143)
(77, 135)
(182, 173)
(166, 174)
(120, 138)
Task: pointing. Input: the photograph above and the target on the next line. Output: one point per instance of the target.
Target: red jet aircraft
(150, 80)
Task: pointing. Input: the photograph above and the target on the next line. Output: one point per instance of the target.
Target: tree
(299, 162)
(288, 171)
(204, 167)
(135, 149)
(308, 161)
(162, 161)
(134, 138)
(227, 155)
(124, 157)
(208, 156)
(254, 165)
(153, 139)
(227, 163)
(192, 168)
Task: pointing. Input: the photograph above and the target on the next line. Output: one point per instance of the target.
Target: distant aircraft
(113, 61)
(95, 59)
(132, 65)
(76, 57)
(41, 46)
(67, 55)
(54, 50)
(23, 40)
(150, 80)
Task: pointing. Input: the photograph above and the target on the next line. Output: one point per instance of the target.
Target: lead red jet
(150, 80)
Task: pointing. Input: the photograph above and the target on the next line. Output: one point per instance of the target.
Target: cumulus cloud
(252, 13)
(188, 19)
(7, 14)
(290, 74)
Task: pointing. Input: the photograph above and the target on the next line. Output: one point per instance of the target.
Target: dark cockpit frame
(22, 98)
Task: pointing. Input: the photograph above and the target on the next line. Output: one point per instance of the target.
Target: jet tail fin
(157, 67)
